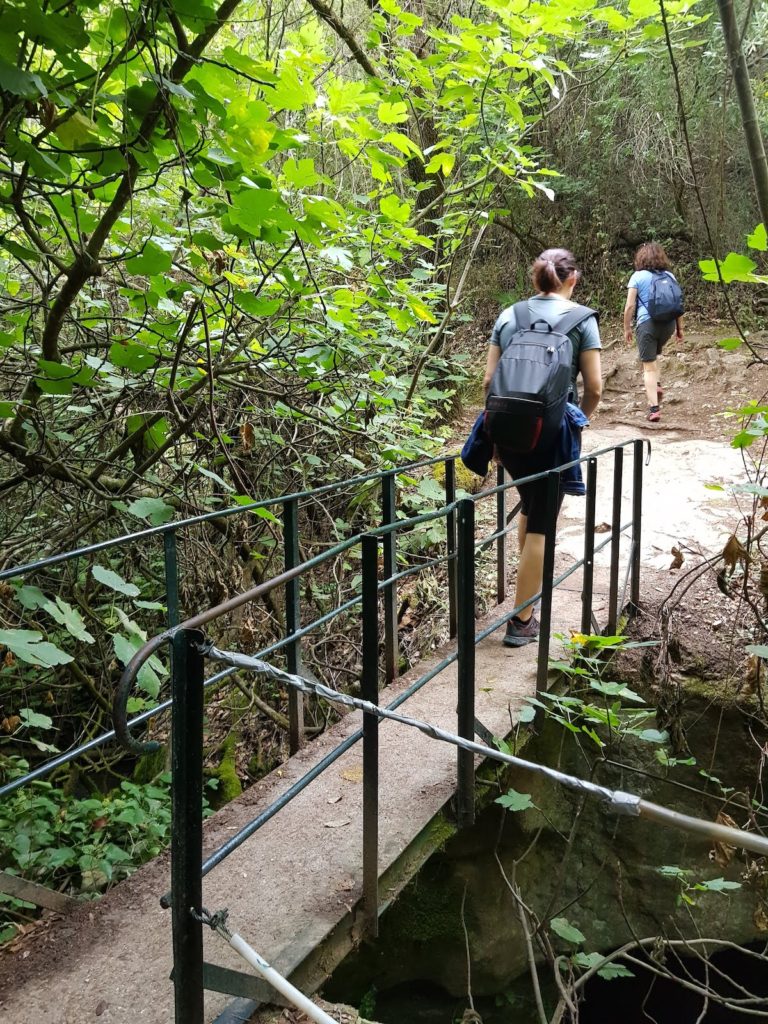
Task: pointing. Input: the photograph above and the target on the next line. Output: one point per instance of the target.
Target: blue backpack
(665, 298)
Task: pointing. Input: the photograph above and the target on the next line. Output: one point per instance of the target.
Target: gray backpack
(530, 387)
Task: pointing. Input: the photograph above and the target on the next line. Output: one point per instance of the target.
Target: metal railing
(461, 550)
(289, 506)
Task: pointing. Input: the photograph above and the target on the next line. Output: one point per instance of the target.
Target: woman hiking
(554, 275)
(651, 335)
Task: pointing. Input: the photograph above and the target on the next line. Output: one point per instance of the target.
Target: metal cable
(616, 800)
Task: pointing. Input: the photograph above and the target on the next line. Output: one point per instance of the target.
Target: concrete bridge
(294, 889)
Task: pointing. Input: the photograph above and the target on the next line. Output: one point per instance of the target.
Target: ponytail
(550, 271)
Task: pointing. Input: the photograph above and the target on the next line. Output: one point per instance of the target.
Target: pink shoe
(654, 414)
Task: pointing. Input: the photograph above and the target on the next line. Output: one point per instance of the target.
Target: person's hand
(679, 335)
(628, 336)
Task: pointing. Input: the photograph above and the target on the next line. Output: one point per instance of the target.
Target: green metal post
(465, 799)
(291, 558)
(370, 691)
(187, 826)
(389, 546)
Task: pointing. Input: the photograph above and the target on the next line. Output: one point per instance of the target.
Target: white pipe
(277, 981)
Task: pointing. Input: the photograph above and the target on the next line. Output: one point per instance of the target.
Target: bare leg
(530, 572)
(650, 382)
(522, 531)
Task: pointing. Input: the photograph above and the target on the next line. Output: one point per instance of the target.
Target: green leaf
(152, 260)
(153, 509)
(562, 927)
(28, 646)
(514, 801)
(653, 736)
(394, 210)
(526, 714)
(442, 162)
(301, 173)
(132, 357)
(609, 971)
(20, 83)
(729, 344)
(734, 267)
(758, 239)
(759, 650)
(114, 581)
(392, 113)
(148, 676)
(34, 720)
(719, 885)
(61, 611)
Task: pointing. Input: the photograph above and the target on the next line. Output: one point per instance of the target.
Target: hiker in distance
(538, 348)
(655, 300)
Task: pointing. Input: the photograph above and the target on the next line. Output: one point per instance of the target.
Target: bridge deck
(299, 878)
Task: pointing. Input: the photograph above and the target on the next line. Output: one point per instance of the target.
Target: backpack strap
(573, 317)
(522, 316)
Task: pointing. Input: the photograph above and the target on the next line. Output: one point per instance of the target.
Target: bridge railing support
(389, 551)
(465, 799)
(637, 513)
(613, 580)
(370, 692)
(292, 557)
(187, 842)
(501, 530)
(450, 527)
(588, 578)
(545, 620)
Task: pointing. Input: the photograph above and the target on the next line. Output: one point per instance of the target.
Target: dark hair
(651, 256)
(551, 270)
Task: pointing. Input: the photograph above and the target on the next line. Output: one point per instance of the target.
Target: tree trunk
(749, 120)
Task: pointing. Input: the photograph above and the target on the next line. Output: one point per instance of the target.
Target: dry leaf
(734, 552)
(339, 823)
(723, 853)
(603, 528)
(247, 436)
(10, 724)
(752, 675)
(760, 918)
(334, 799)
(353, 775)
(677, 558)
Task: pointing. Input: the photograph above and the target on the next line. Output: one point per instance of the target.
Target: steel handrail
(224, 513)
(120, 714)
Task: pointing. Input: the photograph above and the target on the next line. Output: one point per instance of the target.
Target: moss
(717, 692)
(226, 772)
(465, 479)
(427, 910)
(149, 766)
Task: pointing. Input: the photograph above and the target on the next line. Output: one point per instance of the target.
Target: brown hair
(651, 256)
(551, 270)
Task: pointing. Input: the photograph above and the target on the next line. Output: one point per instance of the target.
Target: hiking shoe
(520, 633)
(654, 414)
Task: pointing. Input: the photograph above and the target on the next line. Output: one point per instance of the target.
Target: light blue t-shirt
(550, 307)
(641, 279)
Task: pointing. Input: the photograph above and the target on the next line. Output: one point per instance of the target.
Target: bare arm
(494, 354)
(590, 366)
(629, 312)
(679, 326)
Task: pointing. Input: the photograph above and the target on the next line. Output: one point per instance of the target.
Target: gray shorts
(651, 337)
